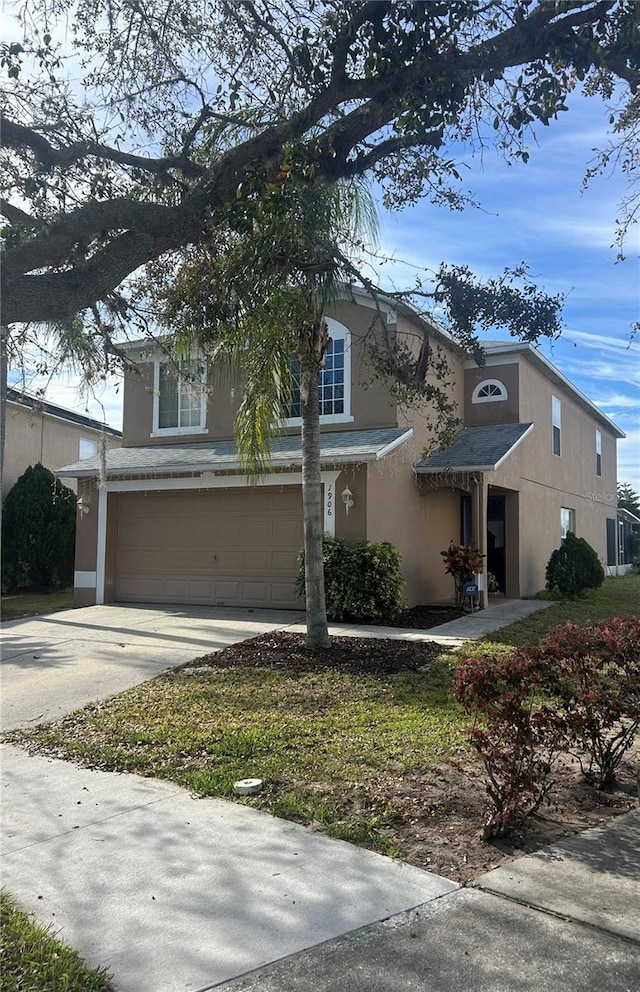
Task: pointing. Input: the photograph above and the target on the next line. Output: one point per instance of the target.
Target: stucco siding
(33, 436)
(547, 483)
(499, 411)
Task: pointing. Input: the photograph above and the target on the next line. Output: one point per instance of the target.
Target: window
(598, 452)
(334, 381)
(567, 521)
(556, 411)
(179, 404)
(489, 391)
(87, 448)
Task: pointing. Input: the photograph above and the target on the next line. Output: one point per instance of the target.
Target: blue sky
(537, 213)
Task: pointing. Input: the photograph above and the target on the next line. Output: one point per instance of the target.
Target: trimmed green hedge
(363, 581)
(38, 532)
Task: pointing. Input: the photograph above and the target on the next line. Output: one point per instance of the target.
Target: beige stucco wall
(352, 526)
(502, 412)
(548, 482)
(419, 523)
(33, 436)
(372, 404)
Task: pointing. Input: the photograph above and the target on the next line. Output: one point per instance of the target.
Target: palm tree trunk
(317, 629)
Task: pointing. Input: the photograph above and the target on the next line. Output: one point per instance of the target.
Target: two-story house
(40, 431)
(175, 520)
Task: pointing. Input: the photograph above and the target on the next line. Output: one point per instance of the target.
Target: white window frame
(556, 424)
(498, 398)
(336, 331)
(94, 447)
(176, 431)
(599, 454)
(569, 524)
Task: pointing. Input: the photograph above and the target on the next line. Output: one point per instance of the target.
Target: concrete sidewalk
(174, 893)
(566, 919)
(470, 627)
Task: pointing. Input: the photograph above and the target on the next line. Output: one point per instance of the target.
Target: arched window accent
(489, 391)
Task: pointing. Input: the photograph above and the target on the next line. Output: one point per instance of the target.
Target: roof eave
(457, 470)
(223, 468)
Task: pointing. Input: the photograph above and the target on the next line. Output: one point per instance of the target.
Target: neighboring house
(39, 431)
(175, 521)
(623, 541)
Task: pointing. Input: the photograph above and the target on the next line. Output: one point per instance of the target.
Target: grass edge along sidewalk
(32, 959)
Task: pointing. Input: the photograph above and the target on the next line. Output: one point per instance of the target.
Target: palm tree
(255, 301)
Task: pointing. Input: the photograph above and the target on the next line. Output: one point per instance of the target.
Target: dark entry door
(496, 553)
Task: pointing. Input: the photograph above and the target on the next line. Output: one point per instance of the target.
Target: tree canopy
(628, 498)
(130, 128)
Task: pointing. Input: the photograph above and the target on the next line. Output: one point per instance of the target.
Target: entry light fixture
(83, 508)
(347, 499)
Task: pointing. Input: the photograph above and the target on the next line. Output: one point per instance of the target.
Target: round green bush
(573, 567)
(363, 581)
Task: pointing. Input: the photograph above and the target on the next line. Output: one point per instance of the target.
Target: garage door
(236, 547)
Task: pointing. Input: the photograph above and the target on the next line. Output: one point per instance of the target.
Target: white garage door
(236, 547)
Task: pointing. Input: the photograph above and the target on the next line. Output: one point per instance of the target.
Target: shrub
(462, 561)
(38, 531)
(595, 675)
(517, 736)
(363, 581)
(573, 567)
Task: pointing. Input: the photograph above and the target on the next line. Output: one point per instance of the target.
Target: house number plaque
(329, 499)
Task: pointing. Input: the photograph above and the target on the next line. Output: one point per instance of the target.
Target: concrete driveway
(55, 664)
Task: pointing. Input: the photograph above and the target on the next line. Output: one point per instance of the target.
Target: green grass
(35, 604)
(331, 746)
(616, 598)
(33, 960)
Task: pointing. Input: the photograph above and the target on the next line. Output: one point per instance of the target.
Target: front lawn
(616, 598)
(33, 960)
(328, 739)
(35, 604)
(363, 742)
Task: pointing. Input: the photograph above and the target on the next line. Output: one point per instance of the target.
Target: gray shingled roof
(475, 449)
(340, 447)
(41, 405)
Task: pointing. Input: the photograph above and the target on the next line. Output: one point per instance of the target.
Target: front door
(496, 551)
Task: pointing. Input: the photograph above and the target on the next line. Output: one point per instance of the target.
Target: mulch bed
(442, 808)
(356, 655)
(425, 617)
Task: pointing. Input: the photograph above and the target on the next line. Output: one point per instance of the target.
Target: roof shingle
(475, 449)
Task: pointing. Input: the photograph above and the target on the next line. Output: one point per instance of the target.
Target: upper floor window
(87, 448)
(556, 416)
(489, 391)
(334, 381)
(179, 401)
(598, 452)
